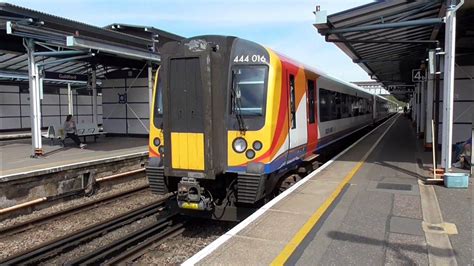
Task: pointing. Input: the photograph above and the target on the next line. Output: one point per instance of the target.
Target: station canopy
(389, 39)
(71, 47)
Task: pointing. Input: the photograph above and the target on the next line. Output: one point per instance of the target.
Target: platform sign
(418, 75)
(64, 76)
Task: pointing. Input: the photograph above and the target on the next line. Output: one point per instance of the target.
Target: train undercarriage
(228, 197)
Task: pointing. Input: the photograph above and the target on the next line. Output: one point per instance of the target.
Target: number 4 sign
(418, 75)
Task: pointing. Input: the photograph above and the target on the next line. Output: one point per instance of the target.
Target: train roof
(321, 72)
(386, 99)
(295, 62)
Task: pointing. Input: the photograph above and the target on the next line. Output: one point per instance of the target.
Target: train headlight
(156, 142)
(239, 145)
(250, 154)
(161, 149)
(257, 145)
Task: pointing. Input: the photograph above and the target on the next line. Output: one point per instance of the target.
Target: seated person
(70, 130)
(463, 154)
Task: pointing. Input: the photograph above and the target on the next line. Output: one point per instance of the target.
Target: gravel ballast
(25, 240)
(198, 234)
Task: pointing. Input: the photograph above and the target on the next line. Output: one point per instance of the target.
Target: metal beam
(66, 60)
(400, 52)
(94, 95)
(14, 74)
(380, 51)
(420, 33)
(410, 23)
(25, 31)
(387, 10)
(393, 33)
(403, 54)
(406, 15)
(59, 53)
(359, 61)
(77, 42)
(389, 41)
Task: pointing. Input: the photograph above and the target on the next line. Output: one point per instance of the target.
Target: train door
(312, 118)
(186, 119)
(292, 121)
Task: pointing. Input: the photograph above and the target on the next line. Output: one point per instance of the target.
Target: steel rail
(72, 240)
(23, 226)
(134, 253)
(132, 245)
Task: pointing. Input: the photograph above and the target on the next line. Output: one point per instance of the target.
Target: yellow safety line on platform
(290, 248)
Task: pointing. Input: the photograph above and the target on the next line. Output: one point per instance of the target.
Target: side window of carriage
(292, 101)
(311, 104)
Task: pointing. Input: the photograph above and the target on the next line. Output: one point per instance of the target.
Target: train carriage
(233, 120)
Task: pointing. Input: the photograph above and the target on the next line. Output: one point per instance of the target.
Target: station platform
(64, 171)
(367, 206)
(16, 161)
(11, 135)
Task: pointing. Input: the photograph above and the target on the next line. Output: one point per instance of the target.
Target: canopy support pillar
(35, 101)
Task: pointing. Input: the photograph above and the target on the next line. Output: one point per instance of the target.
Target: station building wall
(126, 105)
(463, 104)
(15, 106)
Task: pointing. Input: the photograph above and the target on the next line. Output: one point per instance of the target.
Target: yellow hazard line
(290, 248)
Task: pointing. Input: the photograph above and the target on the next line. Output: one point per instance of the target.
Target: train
(234, 123)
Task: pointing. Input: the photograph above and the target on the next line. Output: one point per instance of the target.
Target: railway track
(20, 227)
(132, 246)
(70, 241)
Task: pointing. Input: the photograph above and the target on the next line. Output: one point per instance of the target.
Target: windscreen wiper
(237, 106)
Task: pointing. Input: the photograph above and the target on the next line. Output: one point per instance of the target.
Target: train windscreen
(158, 108)
(248, 90)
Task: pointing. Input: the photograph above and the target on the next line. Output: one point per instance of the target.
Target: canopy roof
(389, 39)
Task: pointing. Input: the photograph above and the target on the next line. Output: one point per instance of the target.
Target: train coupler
(191, 195)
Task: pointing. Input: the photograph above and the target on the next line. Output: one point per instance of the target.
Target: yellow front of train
(155, 142)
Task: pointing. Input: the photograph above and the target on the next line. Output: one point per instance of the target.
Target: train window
(311, 115)
(248, 90)
(292, 101)
(159, 98)
(361, 106)
(344, 105)
(355, 106)
(324, 105)
(336, 107)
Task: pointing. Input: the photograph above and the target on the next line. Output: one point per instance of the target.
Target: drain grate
(394, 186)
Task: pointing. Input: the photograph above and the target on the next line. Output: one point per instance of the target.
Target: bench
(56, 133)
(85, 130)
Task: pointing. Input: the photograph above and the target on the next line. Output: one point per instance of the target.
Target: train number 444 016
(250, 59)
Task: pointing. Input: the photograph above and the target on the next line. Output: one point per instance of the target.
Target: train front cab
(227, 137)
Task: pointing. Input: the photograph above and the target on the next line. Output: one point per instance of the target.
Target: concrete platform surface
(15, 154)
(380, 217)
(457, 206)
(263, 239)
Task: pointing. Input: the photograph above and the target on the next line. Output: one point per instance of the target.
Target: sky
(283, 25)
